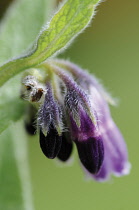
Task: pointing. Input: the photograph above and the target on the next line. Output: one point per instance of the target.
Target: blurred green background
(109, 49)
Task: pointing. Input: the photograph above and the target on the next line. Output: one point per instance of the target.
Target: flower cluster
(73, 108)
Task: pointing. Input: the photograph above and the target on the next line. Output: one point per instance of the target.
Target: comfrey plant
(67, 105)
(72, 107)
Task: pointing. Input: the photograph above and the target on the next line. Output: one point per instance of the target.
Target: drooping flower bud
(89, 143)
(50, 125)
(83, 124)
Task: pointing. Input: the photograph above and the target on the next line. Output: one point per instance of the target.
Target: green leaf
(21, 24)
(17, 33)
(66, 24)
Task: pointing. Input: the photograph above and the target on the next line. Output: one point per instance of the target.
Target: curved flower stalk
(77, 112)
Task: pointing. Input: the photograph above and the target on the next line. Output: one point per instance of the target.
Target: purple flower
(73, 108)
(115, 150)
(83, 124)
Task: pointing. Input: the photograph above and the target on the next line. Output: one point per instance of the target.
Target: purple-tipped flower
(89, 143)
(73, 107)
(83, 124)
(50, 125)
(116, 155)
(84, 130)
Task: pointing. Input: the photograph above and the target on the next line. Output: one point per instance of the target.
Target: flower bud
(50, 125)
(89, 143)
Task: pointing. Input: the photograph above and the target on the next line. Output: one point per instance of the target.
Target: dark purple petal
(91, 154)
(66, 149)
(51, 143)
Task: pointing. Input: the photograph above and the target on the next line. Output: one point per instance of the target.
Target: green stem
(20, 149)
